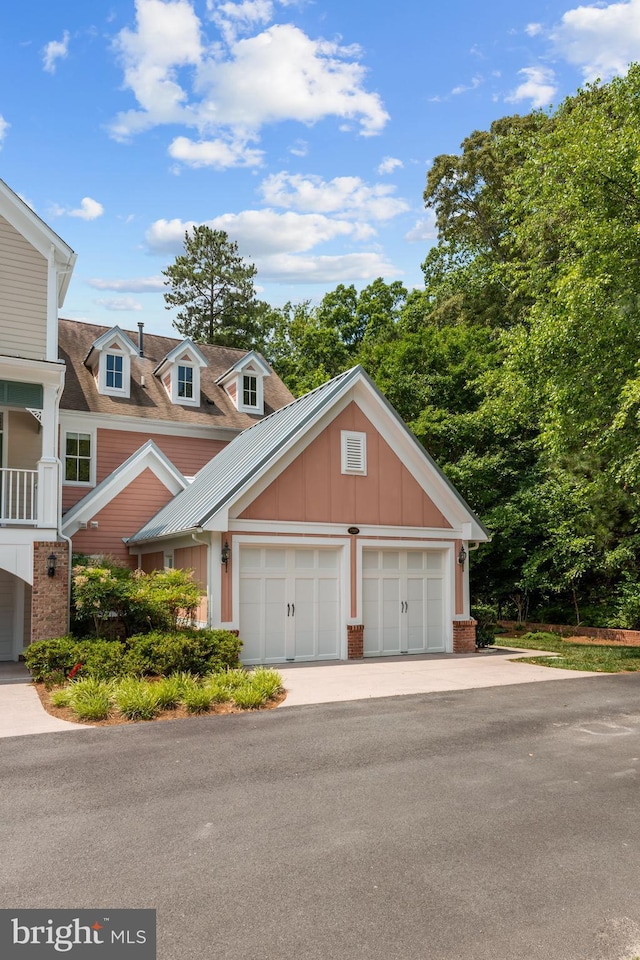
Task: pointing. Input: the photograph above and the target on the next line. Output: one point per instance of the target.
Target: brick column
(355, 641)
(464, 636)
(50, 595)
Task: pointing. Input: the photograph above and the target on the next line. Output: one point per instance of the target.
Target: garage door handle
(293, 609)
(288, 609)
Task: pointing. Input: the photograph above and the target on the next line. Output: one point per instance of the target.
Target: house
(318, 528)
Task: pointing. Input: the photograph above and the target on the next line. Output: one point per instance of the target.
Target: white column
(48, 465)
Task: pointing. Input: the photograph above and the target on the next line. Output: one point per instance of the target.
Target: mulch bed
(179, 713)
(587, 641)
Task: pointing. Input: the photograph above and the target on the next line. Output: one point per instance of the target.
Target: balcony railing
(18, 496)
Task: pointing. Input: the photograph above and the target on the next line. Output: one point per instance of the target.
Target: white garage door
(403, 602)
(289, 604)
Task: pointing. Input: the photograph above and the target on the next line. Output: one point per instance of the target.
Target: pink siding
(313, 488)
(195, 558)
(152, 561)
(125, 514)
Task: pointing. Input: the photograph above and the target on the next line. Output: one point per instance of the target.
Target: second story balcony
(18, 497)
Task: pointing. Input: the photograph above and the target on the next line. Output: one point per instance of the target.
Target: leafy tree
(214, 289)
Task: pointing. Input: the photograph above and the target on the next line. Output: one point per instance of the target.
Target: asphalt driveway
(494, 824)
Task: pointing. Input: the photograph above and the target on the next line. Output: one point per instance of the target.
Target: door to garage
(403, 602)
(289, 604)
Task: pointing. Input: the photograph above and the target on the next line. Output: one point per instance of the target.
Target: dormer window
(179, 373)
(244, 383)
(110, 362)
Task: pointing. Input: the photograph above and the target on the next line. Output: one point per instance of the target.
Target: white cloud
(89, 209)
(602, 40)
(134, 285)
(119, 303)
(465, 87)
(389, 164)
(55, 50)
(261, 232)
(533, 29)
(4, 126)
(538, 86)
(424, 229)
(214, 153)
(347, 196)
(299, 149)
(230, 89)
(349, 268)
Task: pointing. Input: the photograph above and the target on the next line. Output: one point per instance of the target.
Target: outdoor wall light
(224, 556)
(51, 565)
(462, 556)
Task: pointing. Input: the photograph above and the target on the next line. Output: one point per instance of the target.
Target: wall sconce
(462, 556)
(224, 556)
(51, 565)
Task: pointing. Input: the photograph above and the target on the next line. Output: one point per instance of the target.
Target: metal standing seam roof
(248, 453)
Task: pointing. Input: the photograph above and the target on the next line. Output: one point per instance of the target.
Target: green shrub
(217, 689)
(90, 698)
(249, 696)
(136, 699)
(45, 657)
(102, 659)
(62, 697)
(169, 692)
(268, 682)
(193, 651)
(197, 699)
(486, 615)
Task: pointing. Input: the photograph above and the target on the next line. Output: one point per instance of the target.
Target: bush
(45, 657)
(136, 699)
(192, 651)
(249, 696)
(198, 699)
(486, 616)
(90, 698)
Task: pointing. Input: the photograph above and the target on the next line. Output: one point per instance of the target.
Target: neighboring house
(318, 528)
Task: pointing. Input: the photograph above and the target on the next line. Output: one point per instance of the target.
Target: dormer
(179, 373)
(244, 383)
(109, 359)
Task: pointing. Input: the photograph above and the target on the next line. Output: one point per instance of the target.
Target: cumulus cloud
(465, 87)
(4, 126)
(533, 29)
(389, 164)
(134, 285)
(424, 229)
(89, 209)
(55, 50)
(351, 267)
(602, 40)
(214, 153)
(538, 86)
(348, 196)
(229, 90)
(119, 303)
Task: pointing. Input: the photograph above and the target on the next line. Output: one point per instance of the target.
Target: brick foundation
(464, 636)
(355, 641)
(50, 595)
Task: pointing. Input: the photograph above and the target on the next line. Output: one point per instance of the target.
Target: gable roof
(185, 345)
(252, 358)
(148, 456)
(113, 333)
(151, 402)
(250, 454)
(27, 222)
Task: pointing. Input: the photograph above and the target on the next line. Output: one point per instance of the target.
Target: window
(354, 452)
(77, 461)
(185, 383)
(249, 391)
(113, 374)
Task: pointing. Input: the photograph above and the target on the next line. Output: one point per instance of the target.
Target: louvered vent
(354, 452)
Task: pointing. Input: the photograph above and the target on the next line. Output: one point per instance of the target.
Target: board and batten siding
(23, 296)
(126, 513)
(314, 489)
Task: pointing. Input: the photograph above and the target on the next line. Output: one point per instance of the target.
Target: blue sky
(303, 129)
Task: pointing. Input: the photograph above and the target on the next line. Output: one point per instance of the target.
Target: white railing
(18, 496)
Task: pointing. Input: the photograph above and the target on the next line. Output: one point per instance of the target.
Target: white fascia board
(32, 227)
(175, 542)
(338, 529)
(148, 457)
(114, 333)
(185, 346)
(47, 372)
(251, 358)
(106, 421)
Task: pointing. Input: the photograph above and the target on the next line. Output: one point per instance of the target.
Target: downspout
(59, 518)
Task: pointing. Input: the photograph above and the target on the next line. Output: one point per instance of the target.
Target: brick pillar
(50, 595)
(464, 636)
(355, 641)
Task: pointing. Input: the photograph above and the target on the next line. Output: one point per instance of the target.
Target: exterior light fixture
(462, 556)
(51, 565)
(224, 556)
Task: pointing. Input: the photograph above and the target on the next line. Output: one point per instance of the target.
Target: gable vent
(354, 452)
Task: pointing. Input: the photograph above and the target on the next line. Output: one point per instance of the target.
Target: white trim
(106, 421)
(148, 456)
(83, 484)
(246, 407)
(18, 617)
(125, 389)
(339, 529)
(353, 443)
(46, 372)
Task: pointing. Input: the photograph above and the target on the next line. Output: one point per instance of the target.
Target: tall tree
(213, 286)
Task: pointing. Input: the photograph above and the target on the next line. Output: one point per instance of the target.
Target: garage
(289, 604)
(403, 594)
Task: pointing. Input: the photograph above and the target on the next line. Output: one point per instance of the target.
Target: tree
(213, 287)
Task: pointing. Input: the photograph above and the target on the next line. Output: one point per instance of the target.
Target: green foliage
(45, 657)
(213, 287)
(169, 691)
(136, 699)
(197, 699)
(249, 696)
(596, 657)
(193, 651)
(90, 698)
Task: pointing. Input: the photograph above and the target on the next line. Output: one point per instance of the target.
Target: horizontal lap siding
(314, 489)
(126, 513)
(188, 454)
(23, 296)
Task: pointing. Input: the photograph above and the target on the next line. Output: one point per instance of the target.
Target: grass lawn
(597, 657)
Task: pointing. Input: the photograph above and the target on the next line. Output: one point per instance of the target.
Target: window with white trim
(250, 391)
(114, 379)
(185, 382)
(354, 452)
(77, 458)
